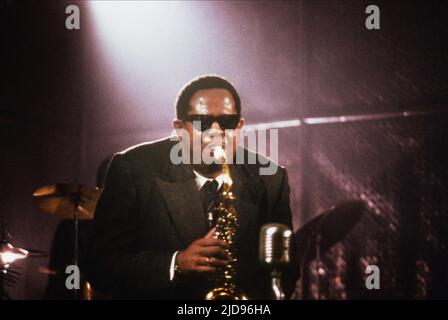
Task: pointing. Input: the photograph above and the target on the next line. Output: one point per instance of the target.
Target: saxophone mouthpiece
(219, 154)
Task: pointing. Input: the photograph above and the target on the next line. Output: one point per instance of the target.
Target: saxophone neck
(221, 156)
(227, 183)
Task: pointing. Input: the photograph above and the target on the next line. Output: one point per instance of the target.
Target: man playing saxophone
(156, 221)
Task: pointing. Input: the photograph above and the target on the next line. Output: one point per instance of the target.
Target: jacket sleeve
(115, 262)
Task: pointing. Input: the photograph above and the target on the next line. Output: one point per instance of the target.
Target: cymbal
(331, 226)
(9, 253)
(61, 200)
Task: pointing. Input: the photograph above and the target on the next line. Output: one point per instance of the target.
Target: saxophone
(226, 225)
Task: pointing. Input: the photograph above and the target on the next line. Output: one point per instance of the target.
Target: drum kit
(62, 200)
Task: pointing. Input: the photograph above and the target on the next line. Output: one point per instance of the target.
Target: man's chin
(209, 168)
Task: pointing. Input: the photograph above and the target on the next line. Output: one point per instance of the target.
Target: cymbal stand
(76, 200)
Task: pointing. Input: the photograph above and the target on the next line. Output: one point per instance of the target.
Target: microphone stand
(277, 290)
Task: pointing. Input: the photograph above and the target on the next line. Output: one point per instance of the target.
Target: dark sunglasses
(204, 122)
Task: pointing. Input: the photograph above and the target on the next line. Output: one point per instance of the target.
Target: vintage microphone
(274, 253)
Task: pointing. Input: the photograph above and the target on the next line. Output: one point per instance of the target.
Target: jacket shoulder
(151, 150)
(260, 165)
(147, 158)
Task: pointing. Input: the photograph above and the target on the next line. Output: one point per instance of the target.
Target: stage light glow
(141, 53)
(132, 27)
(146, 50)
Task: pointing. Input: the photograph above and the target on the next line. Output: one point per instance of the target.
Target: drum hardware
(69, 201)
(9, 254)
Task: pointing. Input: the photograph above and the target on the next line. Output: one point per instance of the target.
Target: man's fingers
(211, 262)
(217, 262)
(211, 233)
(205, 269)
(214, 251)
(207, 242)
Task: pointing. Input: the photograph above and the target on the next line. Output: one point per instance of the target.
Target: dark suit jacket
(150, 208)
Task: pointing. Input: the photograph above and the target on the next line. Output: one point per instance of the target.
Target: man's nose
(215, 126)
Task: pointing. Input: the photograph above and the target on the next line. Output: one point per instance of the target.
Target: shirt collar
(201, 180)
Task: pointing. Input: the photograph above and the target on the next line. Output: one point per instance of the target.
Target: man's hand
(203, 255)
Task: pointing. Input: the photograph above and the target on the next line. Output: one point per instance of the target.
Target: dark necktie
(208, 196)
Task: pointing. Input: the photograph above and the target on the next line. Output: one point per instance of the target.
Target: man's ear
(178, 124)
(240, 123)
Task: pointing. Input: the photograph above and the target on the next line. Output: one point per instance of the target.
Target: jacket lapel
(248, 191)
(178, 187)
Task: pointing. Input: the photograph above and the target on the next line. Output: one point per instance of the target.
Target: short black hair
(202, 83)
